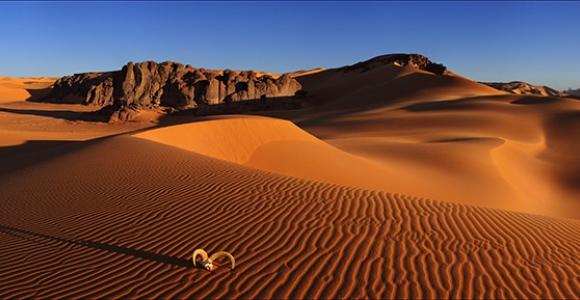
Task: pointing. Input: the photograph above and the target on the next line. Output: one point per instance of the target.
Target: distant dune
(396, 179)
(17, 89)
(523, 88)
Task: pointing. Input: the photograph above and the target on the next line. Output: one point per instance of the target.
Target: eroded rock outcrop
(523, 88)
(77, 88)
(169, 84)
(409, 60)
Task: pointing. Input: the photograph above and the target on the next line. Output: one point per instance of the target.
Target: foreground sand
(95, 210)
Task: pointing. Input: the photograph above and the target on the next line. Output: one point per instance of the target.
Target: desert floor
(390, 183)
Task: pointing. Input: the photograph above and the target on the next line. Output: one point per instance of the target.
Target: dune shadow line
(160, 258)
(58, 114)
(534, 100)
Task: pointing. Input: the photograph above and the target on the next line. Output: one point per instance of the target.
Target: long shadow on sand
(534, 100)
(40, 238)
(19, 157)
(30, 147)
(14, 158)
(244, 106)
(59, 114)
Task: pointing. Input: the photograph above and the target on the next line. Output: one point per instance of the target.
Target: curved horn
(220, 254)
(199, 252)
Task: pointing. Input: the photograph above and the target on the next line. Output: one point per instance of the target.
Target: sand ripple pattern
(120, 218)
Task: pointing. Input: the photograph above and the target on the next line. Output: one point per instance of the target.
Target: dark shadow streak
(29, 147)
(29, 154)
(533, 100)
(246, 106)
(438, 105)
(103, 114)
(458, 140)
(58, 114)
(38, 94)
(160, 258)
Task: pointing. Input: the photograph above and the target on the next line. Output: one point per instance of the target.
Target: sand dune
(386, 86)
(126, 228)
(495, 149)
(15, 89)
(376, 189)
(280, 146)
(274, 145)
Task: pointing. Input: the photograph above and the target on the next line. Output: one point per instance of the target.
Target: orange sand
(14, 89)
(331, 201)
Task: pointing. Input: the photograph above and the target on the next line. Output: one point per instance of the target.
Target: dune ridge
(232, 138)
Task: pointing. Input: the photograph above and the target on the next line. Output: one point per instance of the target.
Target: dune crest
(231, 138)
(523, 88)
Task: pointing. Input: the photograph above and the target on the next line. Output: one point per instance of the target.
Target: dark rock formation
(169, 84)
(523, 88)
(75, 89)
(572, 92)
(410, 60)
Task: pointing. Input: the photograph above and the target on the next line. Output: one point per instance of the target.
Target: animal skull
(207, 262)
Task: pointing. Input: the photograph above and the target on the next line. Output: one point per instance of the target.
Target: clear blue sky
(536, 42)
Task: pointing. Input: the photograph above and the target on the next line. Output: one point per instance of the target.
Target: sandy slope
(314, 207)
(13, 89)
(452, 138)
(74, 226)
(273, 145)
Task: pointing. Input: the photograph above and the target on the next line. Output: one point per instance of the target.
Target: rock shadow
(244, 106)
(38, 94)
(67, 115)
(247, 107)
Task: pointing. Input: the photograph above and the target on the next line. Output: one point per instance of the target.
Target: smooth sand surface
(14, 89)
(382, 191)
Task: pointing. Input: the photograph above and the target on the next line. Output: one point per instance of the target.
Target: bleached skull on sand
(207, 262)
